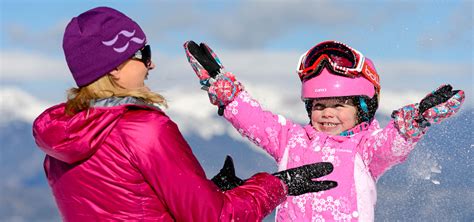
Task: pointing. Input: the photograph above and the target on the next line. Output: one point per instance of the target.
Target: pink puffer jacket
(359, 160)
(128, 162)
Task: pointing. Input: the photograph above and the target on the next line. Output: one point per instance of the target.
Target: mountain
(434, 184)
(25, 195)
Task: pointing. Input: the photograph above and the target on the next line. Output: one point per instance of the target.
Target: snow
(425, 167)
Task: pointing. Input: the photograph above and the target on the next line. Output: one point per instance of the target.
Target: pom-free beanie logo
(127, 34)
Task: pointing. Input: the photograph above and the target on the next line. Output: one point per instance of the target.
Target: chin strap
(361, 127)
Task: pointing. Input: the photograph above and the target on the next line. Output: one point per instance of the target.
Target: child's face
(333, 115)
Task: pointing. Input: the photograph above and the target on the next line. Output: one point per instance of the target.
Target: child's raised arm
(413, 120)
(261, 127)
(393, 144)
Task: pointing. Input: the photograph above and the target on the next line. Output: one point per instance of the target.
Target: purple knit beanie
(99, 40)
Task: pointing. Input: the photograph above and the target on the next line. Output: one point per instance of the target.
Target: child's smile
(333, 115)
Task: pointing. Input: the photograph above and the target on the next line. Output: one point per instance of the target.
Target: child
(112, 155)
(340, 89)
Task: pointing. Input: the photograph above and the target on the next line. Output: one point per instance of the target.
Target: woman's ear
(115, 73)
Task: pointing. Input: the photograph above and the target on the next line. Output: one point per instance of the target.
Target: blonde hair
(79, 99)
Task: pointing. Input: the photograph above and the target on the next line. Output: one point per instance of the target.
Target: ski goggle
(144, 55)
(338, 57)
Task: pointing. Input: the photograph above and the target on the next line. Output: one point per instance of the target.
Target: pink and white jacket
(359, 160)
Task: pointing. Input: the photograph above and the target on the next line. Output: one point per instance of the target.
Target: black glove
(437, 97)
(299, 179)
(226, 179)
(204, 57)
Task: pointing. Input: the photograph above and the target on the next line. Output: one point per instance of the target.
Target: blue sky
(416, 45)
(422, 25)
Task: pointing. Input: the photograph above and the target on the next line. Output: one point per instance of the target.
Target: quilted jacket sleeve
(386, 148)
(168, 164)
(263, 128)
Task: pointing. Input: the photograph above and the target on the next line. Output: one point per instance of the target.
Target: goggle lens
(339, 54)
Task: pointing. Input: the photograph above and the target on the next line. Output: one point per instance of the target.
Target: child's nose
(328, 112)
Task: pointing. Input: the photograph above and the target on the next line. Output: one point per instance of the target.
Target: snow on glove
(299, 180)
(226, 179)
(221, 86)
(412, 120)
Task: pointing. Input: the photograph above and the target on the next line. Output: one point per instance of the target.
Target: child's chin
(330, 131)
(334, 133)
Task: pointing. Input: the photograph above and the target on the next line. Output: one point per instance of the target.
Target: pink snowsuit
(359, 160)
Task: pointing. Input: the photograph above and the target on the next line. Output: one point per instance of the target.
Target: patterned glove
(226, 179)
(221, 86)
(412, 120)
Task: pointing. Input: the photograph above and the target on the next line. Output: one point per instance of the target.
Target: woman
(113, 155)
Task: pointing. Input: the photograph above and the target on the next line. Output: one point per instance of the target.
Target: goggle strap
(299, 67)
(360, 64)
(371, 75)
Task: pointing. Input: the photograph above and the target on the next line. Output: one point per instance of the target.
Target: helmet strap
(363, 104)
(364, 115)
(361, 127)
